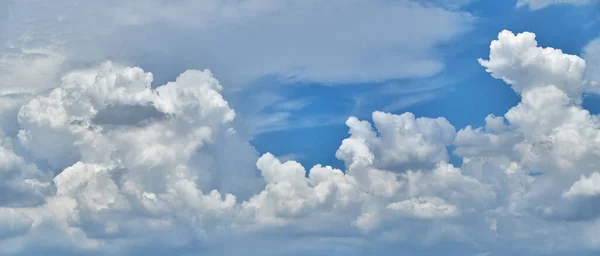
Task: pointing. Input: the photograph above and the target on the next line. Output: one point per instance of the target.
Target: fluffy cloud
(548, 133)
(105, 163)
(119, 179)
(416, 142)
(520, 62)
(101, 177)
(492, 140)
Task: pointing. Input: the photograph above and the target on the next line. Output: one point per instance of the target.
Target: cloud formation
(363, 41)
(540, 4)
(244, 42)
(81, 176)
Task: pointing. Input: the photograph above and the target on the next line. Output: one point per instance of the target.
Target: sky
(282, 127)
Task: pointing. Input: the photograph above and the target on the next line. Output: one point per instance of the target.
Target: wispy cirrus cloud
(540, 4)
(321, 41)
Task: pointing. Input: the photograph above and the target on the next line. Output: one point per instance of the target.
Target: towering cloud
(241, 40)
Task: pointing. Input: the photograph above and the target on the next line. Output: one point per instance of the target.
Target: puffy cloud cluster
(104, 158)
(405, 142)
(105, 163)
(586, 186)
(112, 175)
(518, 61)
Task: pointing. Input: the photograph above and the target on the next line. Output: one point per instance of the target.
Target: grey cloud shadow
(128, 115)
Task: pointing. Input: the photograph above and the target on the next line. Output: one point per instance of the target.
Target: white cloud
(591, 54)
(185, 171)
(586, 186)
(520, 62)
(427, 208)
(415, 142)
(324, 41)
(178, 177)
(539, 4)
(28, 70)
(492, 140)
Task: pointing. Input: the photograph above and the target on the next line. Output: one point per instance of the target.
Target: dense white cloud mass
(416, 142)
(103, 163)
(520, 62)
(539, 4)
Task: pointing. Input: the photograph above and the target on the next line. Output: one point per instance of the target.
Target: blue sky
(463, 92)
(314, 127)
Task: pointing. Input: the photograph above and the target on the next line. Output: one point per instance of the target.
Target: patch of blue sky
(462, 92)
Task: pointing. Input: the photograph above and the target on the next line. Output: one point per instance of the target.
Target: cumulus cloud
(416, 142)
(243, 42)
(586, 186)
(28, 70)
(83, 176)
(520, 62)
(492, 140)
(179, 168)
